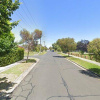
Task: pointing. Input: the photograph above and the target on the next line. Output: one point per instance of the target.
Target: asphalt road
(55, 78)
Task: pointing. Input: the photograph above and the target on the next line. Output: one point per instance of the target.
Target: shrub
(13, 56)
(94, 48)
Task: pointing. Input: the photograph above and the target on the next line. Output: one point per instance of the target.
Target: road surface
(55, 78)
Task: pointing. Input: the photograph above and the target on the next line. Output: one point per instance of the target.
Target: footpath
(6, 93)
(10, 66)
(90, 61)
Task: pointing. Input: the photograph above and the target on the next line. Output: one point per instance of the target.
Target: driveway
(55, 78)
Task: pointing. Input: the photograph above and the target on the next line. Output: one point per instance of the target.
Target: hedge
(13, 56)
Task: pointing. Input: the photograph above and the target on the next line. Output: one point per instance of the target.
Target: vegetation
(43, 48)
(56, 47)
(30, 39)
(13, 56)
(17, 70)
(94, 48)
(38, 35)
(82, 46)
(30, 54)
(92, 67)
(9, 51)
(7, 7)
(65, 45)
(42, 53)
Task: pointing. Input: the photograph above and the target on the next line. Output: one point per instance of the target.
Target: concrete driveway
(55, 78)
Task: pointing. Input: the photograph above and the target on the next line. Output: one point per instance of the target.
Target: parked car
(52, 50)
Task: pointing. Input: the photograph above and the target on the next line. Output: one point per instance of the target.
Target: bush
(94, 48)
(13, 56)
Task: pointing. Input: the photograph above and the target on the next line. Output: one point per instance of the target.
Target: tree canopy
(82, 45)
(7, 7)
(37, 34)
(94, 47)
(67, 44)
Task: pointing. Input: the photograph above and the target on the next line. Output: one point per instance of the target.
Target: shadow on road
(88, 73)
(61, 56)
(5, 85)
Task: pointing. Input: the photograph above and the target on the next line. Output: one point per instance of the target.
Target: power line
(23, 19)
(29, 13)
(25, 13)
(18, 24)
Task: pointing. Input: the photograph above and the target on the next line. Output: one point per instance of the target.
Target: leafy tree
(7, 7)
(66, 44)
(82, 45)
(38, 35)
(58, 48)
(7, 44)
(50, 48)
(55, 46)
(43, 48)
(28, 39)
(94, 47)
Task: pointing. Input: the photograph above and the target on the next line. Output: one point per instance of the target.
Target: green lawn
(42, 53)
(30, 53)
(87, 65)
(8, 77)
(17, 70)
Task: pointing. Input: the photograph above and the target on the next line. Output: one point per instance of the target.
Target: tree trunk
(27, 55)
(40, 45)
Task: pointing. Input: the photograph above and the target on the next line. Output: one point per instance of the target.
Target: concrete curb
(2, 69)
(83, 68)
(90, 61)
(21, 77)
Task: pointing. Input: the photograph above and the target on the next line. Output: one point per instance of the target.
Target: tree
(38, 35)
(28, 39)
(82, 45)
(43, 48)
(7, 7)
(94, 48)
(56, 47)
(50, 48)
(66, 44)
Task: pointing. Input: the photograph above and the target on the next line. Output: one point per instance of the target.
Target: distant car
(52, 50)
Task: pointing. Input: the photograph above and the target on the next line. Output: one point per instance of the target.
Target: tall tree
(94, 48)
(38, 35)
(55, 46)
(7, 8)
(28, 39)
(82, 45)
(66, 44)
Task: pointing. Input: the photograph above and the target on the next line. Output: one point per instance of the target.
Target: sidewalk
(90, 61)
(11, 65)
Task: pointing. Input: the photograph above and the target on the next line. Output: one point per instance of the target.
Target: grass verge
(8, 77)
(42, 53)
(30, 53)
(92, 67)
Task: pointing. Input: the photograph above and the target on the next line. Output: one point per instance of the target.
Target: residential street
(55, 78)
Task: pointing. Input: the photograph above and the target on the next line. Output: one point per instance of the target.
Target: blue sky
(78, 19)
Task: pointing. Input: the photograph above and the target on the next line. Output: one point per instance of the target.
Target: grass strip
(90, 66)
(30, 53)
(8, 77)
(42, 53)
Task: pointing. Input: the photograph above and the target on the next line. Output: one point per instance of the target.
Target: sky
(78, 19)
